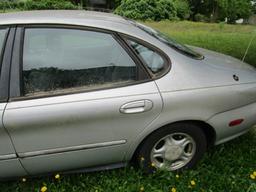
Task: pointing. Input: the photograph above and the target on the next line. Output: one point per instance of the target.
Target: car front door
(78, 98)
(9, 163)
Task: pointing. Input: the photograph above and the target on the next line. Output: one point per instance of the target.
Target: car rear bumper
(221, 121)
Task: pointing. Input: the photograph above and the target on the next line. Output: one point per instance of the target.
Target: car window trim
(16, 91)
(167, 60)
(6, 57)
(16, 72)
(133, 55)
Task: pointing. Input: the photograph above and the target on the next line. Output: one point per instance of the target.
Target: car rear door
(78, 98)
(9, 164)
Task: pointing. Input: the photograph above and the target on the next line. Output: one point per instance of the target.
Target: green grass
(229, 39)
(224, 168)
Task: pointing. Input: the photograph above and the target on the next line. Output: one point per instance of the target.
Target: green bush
(147, 9)
(5, 5)
(37, 5)
(200, 17)
(183, 9)
(46, 4)
(117, 3)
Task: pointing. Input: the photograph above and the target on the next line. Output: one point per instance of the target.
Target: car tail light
(236, 122)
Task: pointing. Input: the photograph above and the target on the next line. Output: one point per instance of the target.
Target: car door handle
(136, 107)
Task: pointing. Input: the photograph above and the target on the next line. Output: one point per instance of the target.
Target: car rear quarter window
(60, 60)
(150, 57)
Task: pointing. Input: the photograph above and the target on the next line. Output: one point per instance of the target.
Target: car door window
(58, 60)
(153, 60)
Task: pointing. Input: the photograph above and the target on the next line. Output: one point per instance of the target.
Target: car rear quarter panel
(226, 132)
(215, 105)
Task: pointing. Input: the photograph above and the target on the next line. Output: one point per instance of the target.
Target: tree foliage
(221, 9)
(198, 10)
(204, 7)
(183, 9)
(254, 7)
(235, 9)
(37, 5)
(147, 9)
(117, 3)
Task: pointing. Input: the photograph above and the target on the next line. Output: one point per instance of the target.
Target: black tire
(143, 156)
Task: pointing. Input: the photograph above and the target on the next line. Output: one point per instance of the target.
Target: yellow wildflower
(173, 189)
(252, 176)
(142, 189)
(193, 183)
(254, 173)
(44, 189)
(24, 179)
(57, 176)
(177, 176)
(153, 165)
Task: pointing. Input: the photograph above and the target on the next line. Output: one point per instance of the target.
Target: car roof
(90, 19)
(54, 15)
(71, 17)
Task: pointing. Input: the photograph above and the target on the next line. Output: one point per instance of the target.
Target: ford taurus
(88, 90)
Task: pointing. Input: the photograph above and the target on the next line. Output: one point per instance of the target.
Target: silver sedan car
(87, 90)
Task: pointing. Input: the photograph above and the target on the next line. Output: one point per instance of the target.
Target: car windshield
(168, 41)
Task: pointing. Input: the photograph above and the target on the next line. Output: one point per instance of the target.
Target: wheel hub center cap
(173, 152)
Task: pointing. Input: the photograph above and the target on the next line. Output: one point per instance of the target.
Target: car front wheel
(174, 147)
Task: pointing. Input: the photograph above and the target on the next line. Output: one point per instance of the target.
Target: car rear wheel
(174, 147)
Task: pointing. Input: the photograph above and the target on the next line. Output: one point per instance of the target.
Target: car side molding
(70, 149)
(7, 157)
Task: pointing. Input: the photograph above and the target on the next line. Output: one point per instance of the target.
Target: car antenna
(249, 45)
